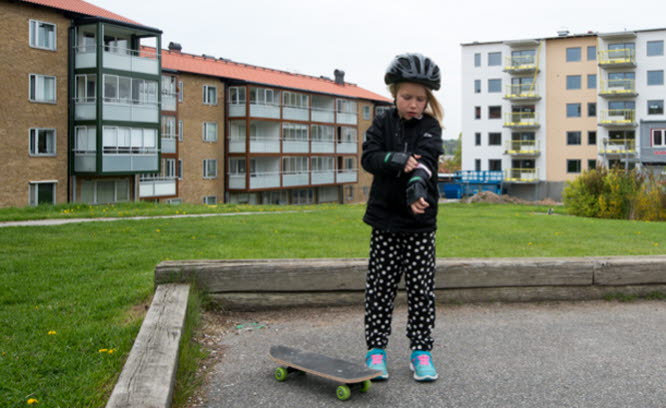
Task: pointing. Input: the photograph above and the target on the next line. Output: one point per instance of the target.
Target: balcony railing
(264, 180)
(520, 64)
(130, 110)
(618, 146)
(323, 146)
(123, 59)
(522, 92)
(296, 178)
(261, 180)
(347, 147)
(169, 101)
(295, 146)
(521, 120)
(347, 176)
(264, 144)
(617, 117)
(518, 175)
(618, 88)
(169, 143)
(323, 176)
(323, 115)
(157, 187)
(620, 58)
(523, 147)
(85, 161)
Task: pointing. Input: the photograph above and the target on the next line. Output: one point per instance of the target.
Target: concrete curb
(266, 283)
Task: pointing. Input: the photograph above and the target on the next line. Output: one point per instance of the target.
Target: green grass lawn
(88, 283)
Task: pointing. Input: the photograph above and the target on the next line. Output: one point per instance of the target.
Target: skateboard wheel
(343, 392)
(281, 374)
(365, 386)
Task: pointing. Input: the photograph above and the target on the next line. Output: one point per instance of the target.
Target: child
(401, 150)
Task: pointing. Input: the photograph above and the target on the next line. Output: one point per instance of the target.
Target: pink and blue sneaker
(421, 364)
(376, 360)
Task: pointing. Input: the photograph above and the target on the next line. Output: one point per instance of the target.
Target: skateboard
(351, 376)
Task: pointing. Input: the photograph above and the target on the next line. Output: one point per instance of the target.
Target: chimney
(173, 46)
(339, 77)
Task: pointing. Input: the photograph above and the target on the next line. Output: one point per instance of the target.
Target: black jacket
(389, 141)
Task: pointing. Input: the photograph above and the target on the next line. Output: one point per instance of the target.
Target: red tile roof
(81, 7)
(227, 69)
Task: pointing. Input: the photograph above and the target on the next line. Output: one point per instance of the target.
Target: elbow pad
(416, 189)
(396, 160)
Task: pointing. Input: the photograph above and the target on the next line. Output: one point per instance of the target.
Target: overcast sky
(361, 36)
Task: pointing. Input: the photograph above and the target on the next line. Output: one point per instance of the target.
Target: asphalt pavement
(578, 354)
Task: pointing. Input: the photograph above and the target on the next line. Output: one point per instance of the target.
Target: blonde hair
(433, 107)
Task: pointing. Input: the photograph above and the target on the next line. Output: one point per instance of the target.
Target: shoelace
(377, 359)
(424, 359)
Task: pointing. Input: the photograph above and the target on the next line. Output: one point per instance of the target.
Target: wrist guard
(415, 190)
(397, 160)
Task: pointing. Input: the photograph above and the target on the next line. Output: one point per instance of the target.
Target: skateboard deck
(352, 376)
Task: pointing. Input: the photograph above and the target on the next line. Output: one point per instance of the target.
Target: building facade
(96, 112)
(544, 110)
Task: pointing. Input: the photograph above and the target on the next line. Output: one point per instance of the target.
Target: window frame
(574, 138)
(34, 42)
(206, 164)
(207, 95)
(579, 108)
(494, 85)
(33, 142)
(659, 101)
(647, 48)
(663, 137)
(39, 88)
(491, 58)
(573, 58)
(574, 161)
(574, 82)
(656, 71)
(204, 130)
(33, 192)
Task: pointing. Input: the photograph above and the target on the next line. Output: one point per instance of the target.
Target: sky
(361, 37)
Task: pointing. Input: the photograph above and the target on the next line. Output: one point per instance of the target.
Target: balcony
(271, 111)
(347, 176)
(323, 176)
(617, 118)
(169, 101)
(521, 120)
(323, 115)
(522, 92)
(523, 64)
(237, 181)
(523, 148)
(323, 146)
(517, 175)
(264, 144)
(295, 113)
(85, 109)
(130, 110)
(169, 144)
(267, 179)
(620, 58)
(621, 147)
(157, 187)
(618, 88)
(236, 145)
(347, 147)
(295, 146)
(347, 118)
(145, 161)
(296, 178)
(85, 161)
(236, 109)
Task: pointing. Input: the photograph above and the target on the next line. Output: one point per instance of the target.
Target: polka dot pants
(391, 255)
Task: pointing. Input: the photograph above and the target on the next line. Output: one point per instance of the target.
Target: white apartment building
(544, 110)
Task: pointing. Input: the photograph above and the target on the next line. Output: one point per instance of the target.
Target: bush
(616, 194)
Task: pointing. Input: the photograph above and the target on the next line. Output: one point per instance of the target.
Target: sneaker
(421, 364)
(376, 360)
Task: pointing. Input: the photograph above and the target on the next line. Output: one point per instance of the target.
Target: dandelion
(194, 237)
(157, 230)
(656, 244)
(103, 350)
(51, 332)
(33, 401)
(529, 243)
(111, 351)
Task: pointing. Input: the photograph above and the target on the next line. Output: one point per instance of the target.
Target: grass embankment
(73, 296)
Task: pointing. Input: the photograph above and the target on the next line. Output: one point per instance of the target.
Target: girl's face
(411, 100)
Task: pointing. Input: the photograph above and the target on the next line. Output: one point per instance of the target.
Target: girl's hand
(419, 206)
(412, 163)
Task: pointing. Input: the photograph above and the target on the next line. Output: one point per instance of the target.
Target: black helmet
(413, 67)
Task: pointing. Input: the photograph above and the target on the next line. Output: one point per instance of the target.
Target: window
(573, 166)
(237, 95)
(293, 132)
(295, 100)
(655, 77)
(180, 130)
(210, 131)
(573, 138)
(42, 193)
(656, 107)
(477, 112)
(477, 164)
(126, 140)
(209, 168)
(477, 86)
(655, 48)
(494, 85)
(621, 105)
(658, 137)
(366, 113)
(477, 59)
(85, 139)
(494, 59)
(494, 139)
(42, 88)
(264, 96)
(573, 110)
(573, 81)
(346, 106)
(105, 191)
(179, 170)
(591, 81)
(573, 54)
(591, 164)
(477, 139)
(591, 109)
(494, 112)
(126, 90)
(495, 164)
(209, 95)
(86, 88)
(591, 52)
(42, 35)
(210, 200)
(181, 91)
(42, 142)
(523, 57)
(592, 137)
